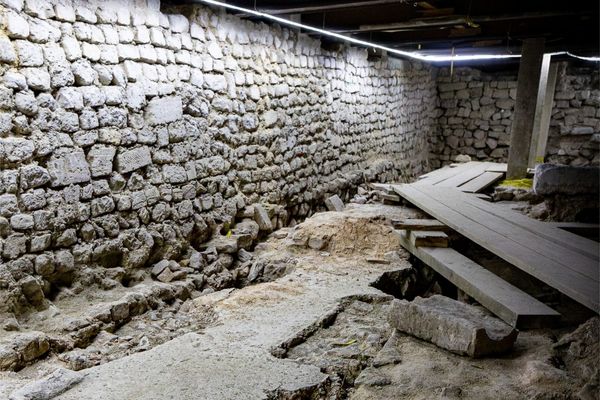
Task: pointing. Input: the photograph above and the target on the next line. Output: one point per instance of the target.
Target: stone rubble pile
(126, 134)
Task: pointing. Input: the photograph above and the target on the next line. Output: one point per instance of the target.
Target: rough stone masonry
(477, 108)
(126, 132)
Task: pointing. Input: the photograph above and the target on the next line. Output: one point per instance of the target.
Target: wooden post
(542, 121)
(527, 89)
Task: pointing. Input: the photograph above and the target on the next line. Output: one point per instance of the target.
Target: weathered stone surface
(101, 160)
(270, 118)
(131, 160)
(48, 387)
(214, 82)
(163, 110)
(33, 176)
(20, 222)
(22, 349)
(334, 203)
(553, 179)
(262, 218)
(68, 168)
(454, 326)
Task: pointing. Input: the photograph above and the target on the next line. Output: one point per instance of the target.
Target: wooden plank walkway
(552, 257)
(547, 230)
(472, 176)
(481, 182)
(511, 304)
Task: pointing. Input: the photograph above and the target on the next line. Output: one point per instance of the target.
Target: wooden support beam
(428, 238)
(543, 112)
(419, 225)
(522, 125)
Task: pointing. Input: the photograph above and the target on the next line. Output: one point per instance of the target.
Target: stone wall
(476, 111)
(126, 134)
(574, 136)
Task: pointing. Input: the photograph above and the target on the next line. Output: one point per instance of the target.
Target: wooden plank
(440, 175)
(573, 225)
(508, 302)
(464, 177)
(561, 237)
(567, 281)
(481, 182)
(384, 187)
(435, 172)
(419, 224)
(392, 198)
(571, 259)
(483, 196)
(497, 167)
(428, 238)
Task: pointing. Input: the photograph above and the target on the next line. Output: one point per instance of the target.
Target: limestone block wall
(476, 112)
(126, 133)
(574, 136)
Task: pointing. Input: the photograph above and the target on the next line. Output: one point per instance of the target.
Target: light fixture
(409, 54)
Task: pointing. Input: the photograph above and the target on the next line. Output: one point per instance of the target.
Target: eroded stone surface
(561, 179)
(452, 325)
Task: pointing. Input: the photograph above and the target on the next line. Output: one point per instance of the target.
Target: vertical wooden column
(527, 89)
(543, 116)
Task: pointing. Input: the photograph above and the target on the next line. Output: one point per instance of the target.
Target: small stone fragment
(334, 203)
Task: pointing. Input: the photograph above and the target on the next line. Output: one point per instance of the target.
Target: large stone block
(131, 160)
(216, 83)
(101, 160)
(33, 176)
(68, 168)
(553, 179)
(452, 325)
(164, 110)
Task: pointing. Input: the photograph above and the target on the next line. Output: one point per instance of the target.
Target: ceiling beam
(326, 7)
(458, 20)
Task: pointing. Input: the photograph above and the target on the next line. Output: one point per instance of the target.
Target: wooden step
(419, 225)
(428, 238)
(508, 302)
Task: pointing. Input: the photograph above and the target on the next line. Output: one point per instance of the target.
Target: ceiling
(437, 26)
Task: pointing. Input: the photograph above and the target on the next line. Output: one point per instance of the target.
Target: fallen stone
(334, 203)
(166, 276)
(21, 349)
(318, 243)
(49, 387)
(457, 327)
(262, 218)
(462, 158)
(223, 244)
(159, 267)
(553, 179)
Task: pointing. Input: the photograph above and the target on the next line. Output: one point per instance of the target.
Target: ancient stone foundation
(127, 133)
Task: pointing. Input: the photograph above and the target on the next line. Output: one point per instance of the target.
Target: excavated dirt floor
(316, 327)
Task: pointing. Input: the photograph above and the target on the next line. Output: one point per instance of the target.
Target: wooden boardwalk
(563, 260)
